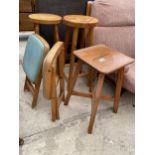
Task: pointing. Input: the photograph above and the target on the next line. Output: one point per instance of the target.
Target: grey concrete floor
(113, 134)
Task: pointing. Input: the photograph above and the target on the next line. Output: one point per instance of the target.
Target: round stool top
(45, 18)
(80, 21)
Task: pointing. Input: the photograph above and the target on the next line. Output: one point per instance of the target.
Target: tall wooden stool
(77, 23)
(105, 61)
(48, 19)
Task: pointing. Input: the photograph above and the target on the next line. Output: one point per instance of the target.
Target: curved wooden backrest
(54, 61)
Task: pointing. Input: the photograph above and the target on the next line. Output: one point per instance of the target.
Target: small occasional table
(105, 61)
(48, 19)
(77, 23)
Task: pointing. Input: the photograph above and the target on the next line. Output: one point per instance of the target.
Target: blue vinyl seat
(33, 57)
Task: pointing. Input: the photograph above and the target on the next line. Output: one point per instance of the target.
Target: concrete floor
(113, 134)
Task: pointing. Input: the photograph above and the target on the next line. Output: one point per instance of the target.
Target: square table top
(103, 58)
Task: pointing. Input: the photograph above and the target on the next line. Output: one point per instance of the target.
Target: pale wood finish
(28, 84)
(80, 21)
(53, 69)
(45, 18)
(104, 60)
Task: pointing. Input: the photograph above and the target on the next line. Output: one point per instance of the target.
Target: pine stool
(48, 19)
(104, 60)
(78, 23)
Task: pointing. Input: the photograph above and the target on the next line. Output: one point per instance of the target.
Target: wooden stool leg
(90, 79)
(36, 28)
(90, 37)
(56, 33)
(67, 38)
(119, 83)
(95, 101)
(73, 81)
(82, 39)
(74, 44)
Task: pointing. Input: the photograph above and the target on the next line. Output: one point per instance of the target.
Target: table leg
(95, 101)
(72, 57)
(120, 76)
